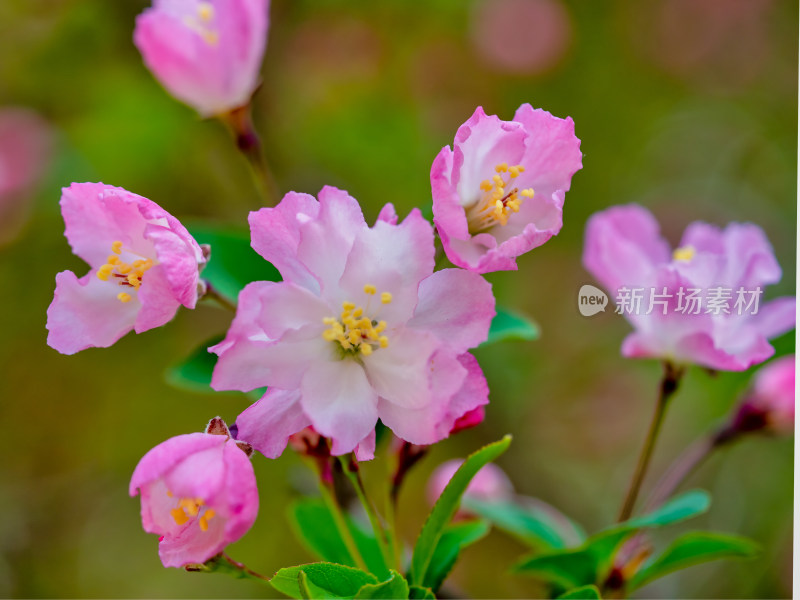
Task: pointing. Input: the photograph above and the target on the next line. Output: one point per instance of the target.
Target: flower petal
(158, 302)
(268, 423)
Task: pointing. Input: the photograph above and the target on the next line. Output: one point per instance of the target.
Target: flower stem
(351, 470)
(668, 387)
(213, 294)
(329, 498)
(240, 123)
(222, 563)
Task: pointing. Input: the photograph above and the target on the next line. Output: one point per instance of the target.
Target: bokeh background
(686, 106)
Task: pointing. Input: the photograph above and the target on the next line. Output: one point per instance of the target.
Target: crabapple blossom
(360, 329)
(499, 192)
(624, 250)
(206, 53)
(490, 483)
(769, 405)
(198, 493)
(143, 265)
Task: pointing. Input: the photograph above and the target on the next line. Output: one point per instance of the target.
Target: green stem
(222, 563)
(329, 497)
(350, 468)
(213, 294)
(669, 385)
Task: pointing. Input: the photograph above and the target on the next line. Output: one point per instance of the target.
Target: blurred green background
(686, 106)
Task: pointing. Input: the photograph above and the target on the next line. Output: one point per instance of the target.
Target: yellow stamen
(348, 306)
(501, 168)
(370, 289)
(112, 259)
(123, 297)
(365, 349)
(116, 247)
(527, 193)
(386, 298)
(123, 268)
(205, 10)
(685, 253)
(179, 516)
(383, 341)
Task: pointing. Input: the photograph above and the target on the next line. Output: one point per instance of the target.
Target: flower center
(125, 274)
(685, 253)
(499, 199)
(201, 22)
(354, 331)
(189, 508)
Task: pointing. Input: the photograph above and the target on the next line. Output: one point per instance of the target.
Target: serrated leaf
(233, 262)
(508, 325)
(321, 580)
(393, 588)
(194, 372)
(585, 592)
(455, 538)
(446, 506)
(417, 592)
(694, 548)
(538, 525)
(314, 525)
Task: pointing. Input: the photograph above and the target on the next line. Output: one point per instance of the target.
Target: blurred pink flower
(25, 147)
(206, 53)
(198, 493)
(359, 329)
(500, 191)
(770, 403)
(522, 36)
(489, 484)
(624, 251)
(143, 266)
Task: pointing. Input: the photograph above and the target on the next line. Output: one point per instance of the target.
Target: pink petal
(456, 306)
(158, 302)
(242, 493)
(85, 313)
(776, 317)
(340, 403)
(268, 423)
(366, 448)
(288, 306)
(180, 257)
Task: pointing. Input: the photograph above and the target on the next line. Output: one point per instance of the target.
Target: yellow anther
(380, 326)
(348, 306)
(205, 10)
(685, 253)
(498, 181)
(365, 349)
(370, 289)
(170, 494)
(486, 185)
(104, 272)
(123, 297)
(179, 516)
(116, 247)
(112, 259)
(527, 193)
(211, 37)
(123, 268)
(137, 264)
(501, 168)
(358, 312)
(386, 298)
(329, 320)
(514, 171)
(134, 280)
(383, 341)
(354, 336)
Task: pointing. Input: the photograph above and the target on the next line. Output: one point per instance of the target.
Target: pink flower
(500, 191)
(206, 53)
(25, 148)
(360, 329)
(143, 266)
(770, 403)
(198, 494)
(489, 484)
(724, 328)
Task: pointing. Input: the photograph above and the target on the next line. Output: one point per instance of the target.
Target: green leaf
(446, 506)
(585, 592)
(455, 538)
(538, 525)
(321, 580)
(417, 592)
(680, 508)
(395, 587)
(589, 563)
(508, 325)
(233, 262)
(694, 548)
(314, 525)
(194, 373)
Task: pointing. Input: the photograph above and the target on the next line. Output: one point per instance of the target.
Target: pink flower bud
(770, 404)
(490, 483)
(198, 494)
(206, 53)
